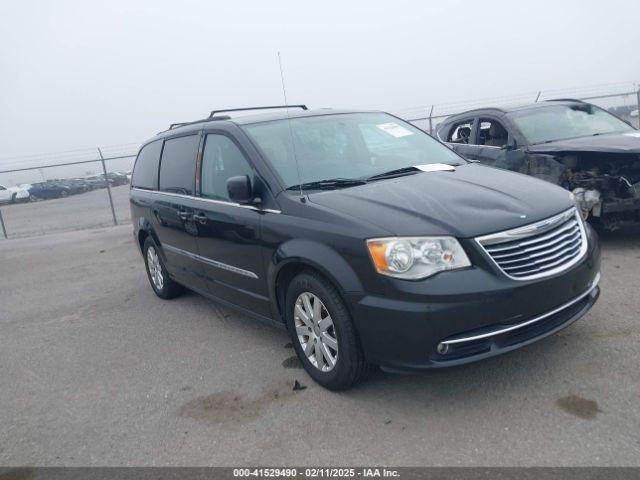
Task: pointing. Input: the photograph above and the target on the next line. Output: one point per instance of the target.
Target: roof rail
(577, 100)
(303, 107)
(182, 124)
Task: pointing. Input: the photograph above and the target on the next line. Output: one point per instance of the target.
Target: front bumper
(475, 313)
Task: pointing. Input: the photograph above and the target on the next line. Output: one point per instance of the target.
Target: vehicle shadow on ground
(484, 387)
(621, 236)
(541, 368)
(504, 375)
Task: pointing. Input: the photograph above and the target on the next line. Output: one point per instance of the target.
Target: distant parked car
(98, 181)
(577, 145)
(75, 185)
(6, 195)
(45, 190)
(117, 178)
(13, 194)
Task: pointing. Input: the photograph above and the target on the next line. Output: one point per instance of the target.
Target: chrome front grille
(538, 250)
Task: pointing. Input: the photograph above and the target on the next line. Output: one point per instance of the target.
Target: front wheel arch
(298, 255)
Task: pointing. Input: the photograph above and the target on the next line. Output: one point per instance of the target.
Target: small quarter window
(145, 172)
(221, 160)
(178, 165)
(461, 132)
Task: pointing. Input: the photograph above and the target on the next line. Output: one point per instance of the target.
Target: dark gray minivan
(371, 242)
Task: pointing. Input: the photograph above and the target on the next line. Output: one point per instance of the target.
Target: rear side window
(221, 160)
(145, 172)
(178, 165)
(492, 133)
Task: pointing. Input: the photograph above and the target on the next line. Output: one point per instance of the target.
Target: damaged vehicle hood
(628, 142)
(470, 201)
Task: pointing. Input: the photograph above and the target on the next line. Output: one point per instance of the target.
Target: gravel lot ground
(95, 370)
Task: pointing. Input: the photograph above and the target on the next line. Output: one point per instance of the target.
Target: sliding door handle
(200, 218)
(184, 215)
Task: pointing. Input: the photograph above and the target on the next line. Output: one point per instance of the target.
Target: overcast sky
(76, 74)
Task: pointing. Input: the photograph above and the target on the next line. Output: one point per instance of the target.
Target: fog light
(442, 348)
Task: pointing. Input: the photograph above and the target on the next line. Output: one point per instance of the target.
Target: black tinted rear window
(178, 166)
(145, 173)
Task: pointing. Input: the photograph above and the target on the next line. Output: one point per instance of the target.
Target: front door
(228, 233)
(494, 147)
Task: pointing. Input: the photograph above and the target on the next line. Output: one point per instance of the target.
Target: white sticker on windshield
(394, 129)
(436, 167)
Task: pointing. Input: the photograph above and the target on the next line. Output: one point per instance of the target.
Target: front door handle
(184, 215)
(200, 218)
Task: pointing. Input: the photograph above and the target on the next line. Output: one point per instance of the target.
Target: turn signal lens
(414, 258)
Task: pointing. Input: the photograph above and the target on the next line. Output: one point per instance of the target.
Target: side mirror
(511, 144)
(239, 189)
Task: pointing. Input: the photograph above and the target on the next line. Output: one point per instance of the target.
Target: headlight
(412, 258)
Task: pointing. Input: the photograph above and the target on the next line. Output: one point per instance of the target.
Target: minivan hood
(470, 201)
(627, 142)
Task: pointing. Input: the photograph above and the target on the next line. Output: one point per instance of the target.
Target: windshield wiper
(328, 184)
(398, 172)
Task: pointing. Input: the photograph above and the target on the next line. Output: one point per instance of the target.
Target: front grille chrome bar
(540, 249)
(501, 330)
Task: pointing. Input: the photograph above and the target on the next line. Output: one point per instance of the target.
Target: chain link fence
(65, 191)
(621, 99)
(88, 188)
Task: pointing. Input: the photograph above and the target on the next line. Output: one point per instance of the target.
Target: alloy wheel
(315, 331)
(155, 269)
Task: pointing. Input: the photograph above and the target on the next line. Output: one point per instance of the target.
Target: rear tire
(161, 283)
(331, 330)
(13, 198)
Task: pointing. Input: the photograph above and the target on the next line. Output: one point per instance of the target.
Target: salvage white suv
(13, 194)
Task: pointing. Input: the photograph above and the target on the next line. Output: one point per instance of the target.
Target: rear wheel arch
(142, 236)
(146, 230)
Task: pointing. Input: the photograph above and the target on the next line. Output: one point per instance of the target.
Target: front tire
(323, 333)
(161, 283)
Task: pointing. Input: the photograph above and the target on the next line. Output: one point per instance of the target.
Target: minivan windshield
(561, 122)
(343, 150)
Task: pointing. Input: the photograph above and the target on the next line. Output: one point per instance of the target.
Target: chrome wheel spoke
(317, 310)
(325, 323)
(307, 305)
(329, 341)
(330, 360)
(308, 348)
(302, 315)
(303, 331)
(319, 355)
